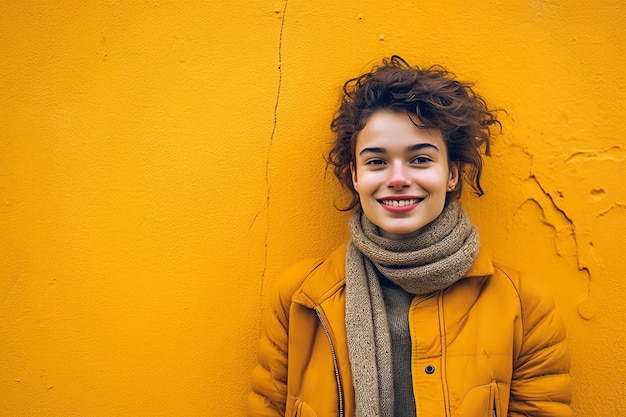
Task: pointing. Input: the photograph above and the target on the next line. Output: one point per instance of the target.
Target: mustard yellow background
(162, 161)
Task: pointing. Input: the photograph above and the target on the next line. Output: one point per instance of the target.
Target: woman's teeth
(400, 203)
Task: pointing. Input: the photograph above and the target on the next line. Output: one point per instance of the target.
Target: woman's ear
(354, 181)
(454, 175)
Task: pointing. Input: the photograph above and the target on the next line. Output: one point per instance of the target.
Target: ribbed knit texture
(432, 261)
(397, 304)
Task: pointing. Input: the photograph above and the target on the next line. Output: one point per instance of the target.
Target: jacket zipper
(443, 341)
(332, 350)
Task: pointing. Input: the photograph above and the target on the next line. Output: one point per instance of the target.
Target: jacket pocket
(481, 401)
(301, 409)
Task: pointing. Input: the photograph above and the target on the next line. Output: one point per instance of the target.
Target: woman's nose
(398, 176)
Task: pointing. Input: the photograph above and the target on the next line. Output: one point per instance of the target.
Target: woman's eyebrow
(419, 146)
(411, 148)
(373, 150)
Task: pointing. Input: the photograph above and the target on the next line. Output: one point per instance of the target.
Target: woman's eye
(375, 162)
(421, 160)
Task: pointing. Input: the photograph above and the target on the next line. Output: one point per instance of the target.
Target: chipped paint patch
(614, 153)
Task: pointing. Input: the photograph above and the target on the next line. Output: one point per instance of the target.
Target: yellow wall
(161, 162)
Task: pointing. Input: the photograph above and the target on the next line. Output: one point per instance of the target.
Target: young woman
(410, 317)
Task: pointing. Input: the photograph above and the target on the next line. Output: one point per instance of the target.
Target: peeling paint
(104, 47)
(597, 194)
(566, 240)
(614, 153)
(616, 206)
(551, 216)
(588, 309)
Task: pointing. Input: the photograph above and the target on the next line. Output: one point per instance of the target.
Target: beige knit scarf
(432, 261)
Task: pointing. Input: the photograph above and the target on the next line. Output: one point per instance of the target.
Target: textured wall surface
(162, 161)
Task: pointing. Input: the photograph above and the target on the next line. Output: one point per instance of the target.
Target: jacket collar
(481, 267)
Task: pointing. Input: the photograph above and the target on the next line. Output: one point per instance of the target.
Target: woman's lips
(399, 205)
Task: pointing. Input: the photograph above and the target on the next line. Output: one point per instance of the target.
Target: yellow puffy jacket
(489, 345)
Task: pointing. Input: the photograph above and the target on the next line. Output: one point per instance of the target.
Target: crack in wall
(266, 206)
(566, 238)
(567, 224)
(565, 228)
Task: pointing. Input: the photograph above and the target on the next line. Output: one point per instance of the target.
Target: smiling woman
(411, 317)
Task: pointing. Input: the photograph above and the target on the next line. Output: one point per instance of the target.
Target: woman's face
(401, 173)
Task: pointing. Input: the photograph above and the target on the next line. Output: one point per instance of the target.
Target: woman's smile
(399, 205)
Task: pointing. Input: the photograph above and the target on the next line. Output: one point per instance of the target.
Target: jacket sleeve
(541, 386)
(269, 377)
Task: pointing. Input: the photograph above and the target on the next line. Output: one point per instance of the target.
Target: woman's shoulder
(312, 277)
(524, 284)
(535, 298)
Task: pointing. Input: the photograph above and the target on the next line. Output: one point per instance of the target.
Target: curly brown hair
(434, 96)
